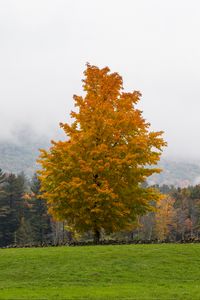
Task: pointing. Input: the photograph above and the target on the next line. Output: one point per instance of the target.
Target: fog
(154, 45)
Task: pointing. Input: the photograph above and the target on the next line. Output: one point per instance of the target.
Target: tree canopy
(94, 179)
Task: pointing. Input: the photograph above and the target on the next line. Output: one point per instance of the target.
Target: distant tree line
(176, 216)
(24, 219)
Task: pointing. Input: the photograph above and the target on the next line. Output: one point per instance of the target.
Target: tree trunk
(97, 236)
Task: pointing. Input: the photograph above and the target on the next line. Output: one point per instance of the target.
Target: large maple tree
(94, 179)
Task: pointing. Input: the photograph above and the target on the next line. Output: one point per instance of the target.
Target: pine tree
(12, 206)
(38, 216)
(2, 177)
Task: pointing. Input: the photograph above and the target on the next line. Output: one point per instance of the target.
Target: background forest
(24, 220)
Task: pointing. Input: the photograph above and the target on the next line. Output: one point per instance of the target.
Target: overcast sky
(154, 45)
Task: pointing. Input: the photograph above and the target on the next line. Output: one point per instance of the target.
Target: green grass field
(166, 271)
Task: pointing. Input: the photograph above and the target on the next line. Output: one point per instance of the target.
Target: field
(166, 271)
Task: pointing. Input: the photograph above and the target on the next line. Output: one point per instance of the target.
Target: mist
(153, 45)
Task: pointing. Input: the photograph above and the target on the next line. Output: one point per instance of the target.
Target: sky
(154, 45)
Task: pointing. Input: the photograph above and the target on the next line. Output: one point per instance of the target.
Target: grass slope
(166, 271)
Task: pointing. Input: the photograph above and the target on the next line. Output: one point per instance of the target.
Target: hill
(165, 271)
(19, 154)
(177, 172)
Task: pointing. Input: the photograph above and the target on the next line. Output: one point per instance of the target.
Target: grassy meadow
(165, 271)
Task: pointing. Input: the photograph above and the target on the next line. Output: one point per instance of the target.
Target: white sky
(154, 45)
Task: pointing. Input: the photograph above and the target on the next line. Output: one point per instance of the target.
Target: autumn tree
(93, 179)
(165, 217)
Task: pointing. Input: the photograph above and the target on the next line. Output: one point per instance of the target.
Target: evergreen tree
(39, 218)
(12, 206)
(2, 176)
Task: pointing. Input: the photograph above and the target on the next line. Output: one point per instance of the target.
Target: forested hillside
(178, 173)
(20, 153)
(21, 157)
(24, 218)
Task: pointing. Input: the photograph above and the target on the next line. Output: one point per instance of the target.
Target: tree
(182, 197)
(11, 203)
(94, 178)
(194, 210)
(2, 193)
(165, 217)
(39, 219)
(2, 177)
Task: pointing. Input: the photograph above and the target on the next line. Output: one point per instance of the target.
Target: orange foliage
(94, 178)
(165, 217)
